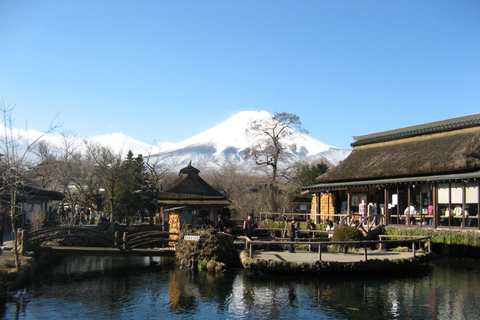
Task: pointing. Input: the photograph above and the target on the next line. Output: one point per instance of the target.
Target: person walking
(291, 234)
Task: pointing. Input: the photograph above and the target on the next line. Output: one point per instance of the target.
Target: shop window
(356, 201)
(392, 207)
(443, 211)
(456, 204)
(415, 209)
(427, 205)
(404, 210)
(471, 204)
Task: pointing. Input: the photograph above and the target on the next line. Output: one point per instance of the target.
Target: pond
(78, 288)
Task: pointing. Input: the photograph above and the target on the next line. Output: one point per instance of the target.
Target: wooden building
(29, 199)
(191, 200)
(426, 175)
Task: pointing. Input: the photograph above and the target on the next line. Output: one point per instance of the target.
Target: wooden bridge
(89, 241)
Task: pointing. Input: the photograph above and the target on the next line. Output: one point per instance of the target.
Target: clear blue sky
(166, 70)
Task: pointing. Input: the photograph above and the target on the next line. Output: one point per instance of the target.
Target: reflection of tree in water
(265, 298)
(188, 288)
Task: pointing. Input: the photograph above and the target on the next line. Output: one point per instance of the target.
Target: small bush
(270, 224)
(347, 233)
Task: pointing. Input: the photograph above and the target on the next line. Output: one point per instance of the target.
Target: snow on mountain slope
(228, 141)
(118, 141)
(224, 143)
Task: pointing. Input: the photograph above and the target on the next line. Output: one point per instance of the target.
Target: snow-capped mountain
(225, 143)
(228, 141)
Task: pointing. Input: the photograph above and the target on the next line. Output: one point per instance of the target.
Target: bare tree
(227, 179)
(15, 157)
(45, 170)
(271, 150)
(108, 164)
(157, 171)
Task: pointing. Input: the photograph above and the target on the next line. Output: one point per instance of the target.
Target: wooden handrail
(412, 239)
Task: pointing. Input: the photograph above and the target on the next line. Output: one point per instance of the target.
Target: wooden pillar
(365, 254)
(409, 193)
(125, 240)
(319, 251)
(422, 219)
(464, 197)
(386, 211)
(478, 205)
(434, 204)
(348, 201)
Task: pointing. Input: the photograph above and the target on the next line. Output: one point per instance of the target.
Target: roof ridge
(427, 128)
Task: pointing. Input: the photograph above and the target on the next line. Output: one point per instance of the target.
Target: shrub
(347, 233)
(38, 219)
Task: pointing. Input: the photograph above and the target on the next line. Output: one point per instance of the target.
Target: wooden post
(117, 237)
(20, 240)
(386, 212)
(429, 245)
(413, 248)
(348, 202)
(365, 254)
(381, 244)
(319, 251)
(251, 248)
(125, 240)
(19, 236)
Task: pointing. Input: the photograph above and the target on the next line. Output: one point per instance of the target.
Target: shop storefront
(424, 176)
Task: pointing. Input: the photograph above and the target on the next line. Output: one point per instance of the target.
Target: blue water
(449, 289)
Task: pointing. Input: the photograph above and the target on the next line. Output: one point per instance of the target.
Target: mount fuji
(228, 142)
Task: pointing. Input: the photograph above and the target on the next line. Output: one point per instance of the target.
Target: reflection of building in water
(426, 176)
(191, 200)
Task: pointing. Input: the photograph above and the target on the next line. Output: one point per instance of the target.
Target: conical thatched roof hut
(191, 200)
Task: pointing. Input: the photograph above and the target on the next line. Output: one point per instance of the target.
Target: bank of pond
(217, 253)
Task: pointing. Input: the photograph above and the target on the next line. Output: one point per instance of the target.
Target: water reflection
(444, 291)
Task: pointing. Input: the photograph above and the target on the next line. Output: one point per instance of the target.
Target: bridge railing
(29, 241)
(413, 241)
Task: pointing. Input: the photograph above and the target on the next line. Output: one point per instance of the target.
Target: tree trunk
(13, 216)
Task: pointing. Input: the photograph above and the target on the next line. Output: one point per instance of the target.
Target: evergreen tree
(130, 188)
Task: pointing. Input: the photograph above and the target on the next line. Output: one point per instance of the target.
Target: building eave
(335, 186)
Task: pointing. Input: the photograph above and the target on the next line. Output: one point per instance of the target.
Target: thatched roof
(419, 130)
(439, 153)
(190, 188)
(26, 193)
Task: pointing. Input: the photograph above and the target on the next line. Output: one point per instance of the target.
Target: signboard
(191, 238)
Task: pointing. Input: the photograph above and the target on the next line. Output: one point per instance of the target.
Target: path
(310, 256)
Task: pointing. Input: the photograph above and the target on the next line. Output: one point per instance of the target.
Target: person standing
(311, 227)
(291, 234)
(249, 226)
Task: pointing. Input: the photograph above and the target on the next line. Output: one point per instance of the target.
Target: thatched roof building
(191, 200)
(191, 190)
(434, 148)
(392, 162)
